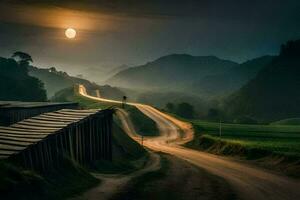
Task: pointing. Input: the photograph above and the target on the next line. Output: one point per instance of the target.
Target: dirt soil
(181, 181)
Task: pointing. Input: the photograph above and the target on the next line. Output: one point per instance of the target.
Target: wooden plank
(55, 119)
(63, 116)
(20, 139)
(81, 111)
(42, 125)
(11, 147)
(7, 152)
(72, 114)
(22, 130)
(47, 121)
(23, 135)
(82, 114)
(17, 143)
(28, 127)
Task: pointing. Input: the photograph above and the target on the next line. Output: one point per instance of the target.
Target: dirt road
(248, 182)
(113, 183)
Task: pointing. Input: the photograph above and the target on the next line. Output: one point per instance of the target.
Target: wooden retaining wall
(12, 112)
(40, 142)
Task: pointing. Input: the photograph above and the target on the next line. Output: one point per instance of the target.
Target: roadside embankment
(288, 164)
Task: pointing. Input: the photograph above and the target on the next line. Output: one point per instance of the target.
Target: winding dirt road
(248, 182)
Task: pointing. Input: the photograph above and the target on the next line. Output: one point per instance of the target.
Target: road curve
(247, 181)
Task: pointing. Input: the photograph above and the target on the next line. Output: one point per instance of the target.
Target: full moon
(70, 33)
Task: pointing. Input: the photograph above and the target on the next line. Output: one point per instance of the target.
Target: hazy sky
(115, 32)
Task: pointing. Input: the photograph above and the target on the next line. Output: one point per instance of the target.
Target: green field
(290, 121)
(282, 139)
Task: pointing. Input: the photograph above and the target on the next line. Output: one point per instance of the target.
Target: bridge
(41, 142)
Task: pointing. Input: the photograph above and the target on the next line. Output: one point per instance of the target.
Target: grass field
(290, 121)
(276, 147)
(283, 139)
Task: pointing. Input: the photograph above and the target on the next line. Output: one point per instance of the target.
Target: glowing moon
(70, 33)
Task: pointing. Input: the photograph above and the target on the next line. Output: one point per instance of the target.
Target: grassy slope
(17, 183)
(276, 138)
(276, 145)
(128, 155)
(144, 125)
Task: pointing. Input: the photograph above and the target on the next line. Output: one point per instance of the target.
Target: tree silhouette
(185, 110)
(16, 84)
(23, 58)
(170, 107)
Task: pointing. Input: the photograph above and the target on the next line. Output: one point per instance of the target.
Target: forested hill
(56, 81)
(17, 85)
(230, 80)
(172, 72)
(205, 76)
(275, 92)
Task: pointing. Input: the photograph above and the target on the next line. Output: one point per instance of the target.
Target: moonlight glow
(70, 33)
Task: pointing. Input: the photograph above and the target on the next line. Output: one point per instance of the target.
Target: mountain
(172, 72)
(55, 81)
(100, 74)
(116, 70)
(232, 79)
(274, 93)
(17, 85)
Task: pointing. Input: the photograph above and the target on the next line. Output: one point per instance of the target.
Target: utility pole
(220, 129)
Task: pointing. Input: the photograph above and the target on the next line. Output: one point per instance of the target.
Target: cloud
(55, 17)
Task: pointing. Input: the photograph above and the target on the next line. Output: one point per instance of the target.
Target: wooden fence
(40, 142)
(12, 112)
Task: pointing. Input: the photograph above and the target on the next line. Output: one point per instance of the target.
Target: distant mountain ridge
(170, 72)
(200, 75)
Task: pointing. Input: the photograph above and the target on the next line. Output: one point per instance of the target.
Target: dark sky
(115, 32)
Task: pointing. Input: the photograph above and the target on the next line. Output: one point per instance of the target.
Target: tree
(17, 85)
(52, 69)
(24, 58)
(185, 110)
(170, 107)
